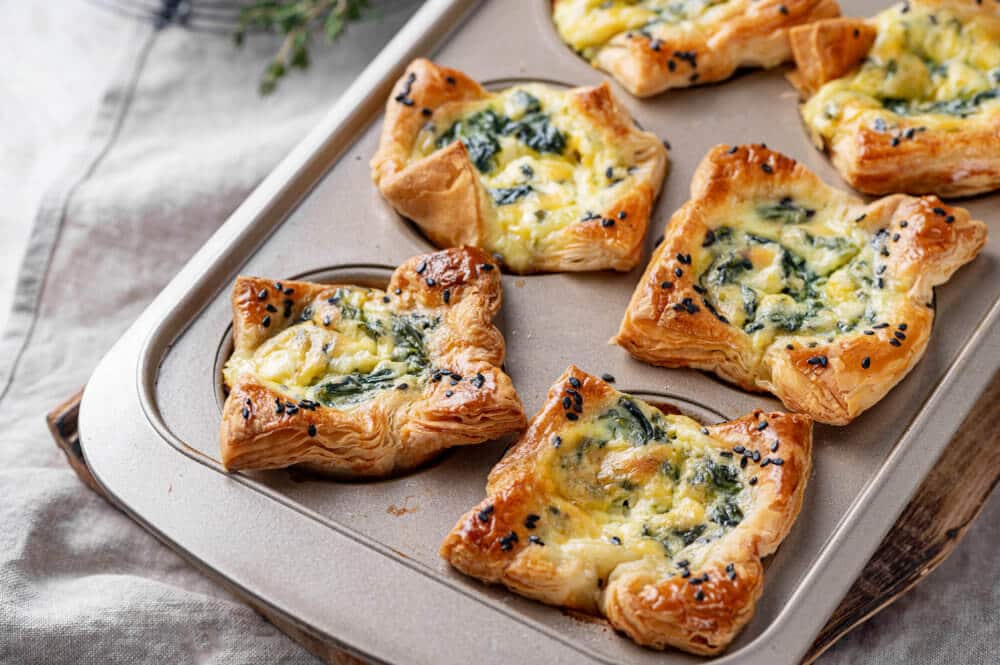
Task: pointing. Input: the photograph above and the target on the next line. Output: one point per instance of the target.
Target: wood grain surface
(929, 529)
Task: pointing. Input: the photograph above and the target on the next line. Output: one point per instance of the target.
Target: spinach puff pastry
(908, 101)
(653, 45)
(778, 283)
(356, 381)
(545, 179)
(608, 506)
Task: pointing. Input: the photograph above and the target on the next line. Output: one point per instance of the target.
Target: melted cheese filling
(632, 483)
(588, 25)
(540, 162)
(341, 351)
(928, 70)
(792, 268)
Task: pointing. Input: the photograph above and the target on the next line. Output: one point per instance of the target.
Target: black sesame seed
(903, 224)
(289, 291)
(898, 335)
(607, 222)
(271, 308)
(535, 540)
(531, 520)
(777, 461)
(766, 168)
(753, 481)
(879, 326)
(486, 513)
(894, 142)
(685, 573)
(762, 425)
(385, 298)
(743, 463)
(940, 212)
(426, 112)
(774, 446)
(756, 456)
(895, 237)
(575, 382)
(860, 217)
(449, 393)
(507, 542)
(949, 219)
(312, 430)
(671, 65)
(245, 412)
(556, 441)
(738, 450)
(678, 272)
(783, 9)
(571, 416)
(446, 296)
(817, 360)
(765, 462)
(421, 267)
(262, 295)
(699, 595)
(615, 540)
(622, 214)
(278, 286)
(866, 362)
(666, 285)
(895, 342)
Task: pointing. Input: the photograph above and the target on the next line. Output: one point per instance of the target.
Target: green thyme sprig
(297, 20)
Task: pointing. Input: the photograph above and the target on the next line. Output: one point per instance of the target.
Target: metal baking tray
(356, 563)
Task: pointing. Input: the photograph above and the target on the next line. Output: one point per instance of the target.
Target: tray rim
(248, 228)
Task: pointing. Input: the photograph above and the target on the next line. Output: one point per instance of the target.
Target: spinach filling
(481, 130)
(627, 422)
(798, 302)
(961, 107)
(407, 331)
(652, 489)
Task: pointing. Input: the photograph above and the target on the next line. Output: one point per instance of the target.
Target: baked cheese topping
(342, 351)
(928, 70)
(588, 25)
(632, 483)
(541, 163)
(794, 267)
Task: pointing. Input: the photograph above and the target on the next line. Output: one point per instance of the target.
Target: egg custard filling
(341, 351)
(928, 70)
(540, 162)
(632, 483)
(588, 25)
(789, 267)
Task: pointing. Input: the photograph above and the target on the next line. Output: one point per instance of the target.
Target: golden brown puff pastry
(779, 283)
(356, 381)
(653, 45)
(545, 179)
(608, 506)
(908, 101)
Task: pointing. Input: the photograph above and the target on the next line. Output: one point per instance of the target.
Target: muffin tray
(356, 564)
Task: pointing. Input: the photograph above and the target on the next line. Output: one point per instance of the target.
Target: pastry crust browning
(708, 43)
(456, 395)
(907, 101)
(868, 312)
(439, 187)
(537, 538)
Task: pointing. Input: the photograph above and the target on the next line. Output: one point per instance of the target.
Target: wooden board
(929, 529)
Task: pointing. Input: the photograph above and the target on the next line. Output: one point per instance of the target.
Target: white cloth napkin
(124, 149)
